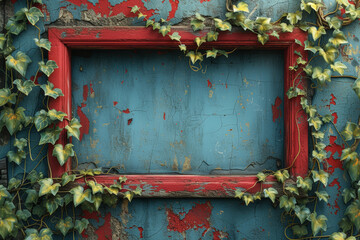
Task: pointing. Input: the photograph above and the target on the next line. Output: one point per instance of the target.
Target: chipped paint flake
(187, 164)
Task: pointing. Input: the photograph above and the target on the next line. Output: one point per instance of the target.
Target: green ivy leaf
(199, 41)
(13, 119)
(321, 176)
(356, 87)
(338, 38)
(6, 96)
(182, 47)
(349, 130)
(287, 203)
(311, 111)
(339, 67)
(138, 191)
(309, 46)
(315, 122)
(33, 15)
(56, 115)
(353, 213)
(321, 76)
(134, 9)
(50, 135)
(329, 53)
(16, 157)
(48, 68)
(23, 214)
(248, 198)
(263, 24)
(299, 230)
(97, 201)
(345, 224)
(212, 36)
(80, 195)
(338, 236)
(41, 120)
(175, 36)
(17, 23)
(164, 30)
(263, 38)
(353, 167)
(348, 154)
(73, 129)
(43, 43)
(32, 234)
(304, 103)
(65, 225)
(48, 186)
(241, 7)
(348, 194)
(49, 90)
(327, 118)
(222, 25)
(197, 25)
(14, 183)
(292, 189)
(194, 57)
(282, 175)
(321, 155)
(313, 5)
(34, 176)
(7, 224)
(305, 184)
(19, 63)
(62, 154)
(239, 193)
(20, 143)
(317, 223)
(211, 53)
(66, 178)
(129, 195)
(270, 193)
(156, 26)
(80, 225)
(275, 34)
(261, 177)
(199, 17)
(334, 22)
(24, 87)
(302, 212)
(2, 41)
(294, 92)
(322, 195)
(149, 23)
(317, 32)
(352, 12)
(95, 187)
(294, 17)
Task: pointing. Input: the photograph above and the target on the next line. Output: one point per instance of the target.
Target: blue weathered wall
(201, 218)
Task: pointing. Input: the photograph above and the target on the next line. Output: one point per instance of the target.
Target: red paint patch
(209, 83)
(90, 215)
(104, 232)
(332, 100)
(127, 111)
(164, 116)
(85, 92)
(226, 85)
(130, 121)
(85, 123)
(219, 235)
(126, 71)
(115, 103)
(35, 80)
(91, 89)
(197, 217)
(141, 232)
(201, 1)
(174, 7)
(276, 111)
(335, 182)
(334, 148)
(335, 116)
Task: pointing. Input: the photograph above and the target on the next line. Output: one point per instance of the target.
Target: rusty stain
(175, 165)
(124, 215)
(187, 164)
(93, 143)
(211, 92)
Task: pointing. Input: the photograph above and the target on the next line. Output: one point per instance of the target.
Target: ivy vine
(27, 203)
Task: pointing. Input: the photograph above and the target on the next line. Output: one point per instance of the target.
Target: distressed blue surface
(219, 119)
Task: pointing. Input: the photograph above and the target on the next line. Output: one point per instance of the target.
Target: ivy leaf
(197, 25)
(263, 38)
(80, 225)
(199, 41)
(156, 26)
(248, 198)
(311, 111)
(222, 25)
(338, 38)
(348, 154)
(294, 92)
(62, 154)
(23, 214)
(321, 155)
(275, 34)
(80, 195)
(212, 36)
(16, 157)
(313, 5)
(13, 120)
(48, 186)
(353, 167)
(282, 175)
(56, 115)
(19, 63)
(14, 183)
(317, 223)
(270, 193)
(263, 24)
(309, 46)
(199, 17)
(292, 189)
(48, 68)
(211, 53)
(352, 12)
(41, 120)
(344, 3)
(66, 178)
(315, 122)
(241, 7)
(349, 130)
(322, 195)
(286, 28)
(327, 118)
(302, 213)
(294, 17)
(334, 22)
(43, 43)
(261, 177)
(304, 103)
(305, 184)
(345, 224)
(287, 203)
(299, 230)
(329, 53)
(7, 224)
(149, 23)
(17, 23)
(95, 187)
(353, 213)
(73, 128)
(50, 135)
(322, 76)
(348, 194)
(32, 234)
(24, 87)
(33, 15)
(175, 36)
(134, 9)
(317, 32)
(138, 191)
(182, 47)
(356, 87)
(2, 41)
(49, 90)
(321, 176)
(239, 193)
(6, 96)
(65, 225)
(129, 195)
(34, 176)
(164, 30)
(194, 57)
(20, 143)
(339, 67)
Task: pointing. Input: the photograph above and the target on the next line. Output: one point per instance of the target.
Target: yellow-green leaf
(241, 7)
(33, 15)
(49, 90)
(194, 57)
(222, 25)
(80, 195)
(50, 135)
(6, 96)
(73, 128)
(20, 62)
(339, 67)
(317, 223)
(62, 154)
(294, 17)
(43, 43)
(317, 32)
(95, 187)
(24, 87)
(48, 186)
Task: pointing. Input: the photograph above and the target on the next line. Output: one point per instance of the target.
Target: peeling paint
(334, 148)
(276, 110)
(84, 121)
(187, 164)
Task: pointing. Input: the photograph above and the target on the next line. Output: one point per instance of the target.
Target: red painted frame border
(296, 127)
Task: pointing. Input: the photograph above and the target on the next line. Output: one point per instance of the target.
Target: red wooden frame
(296, 127)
